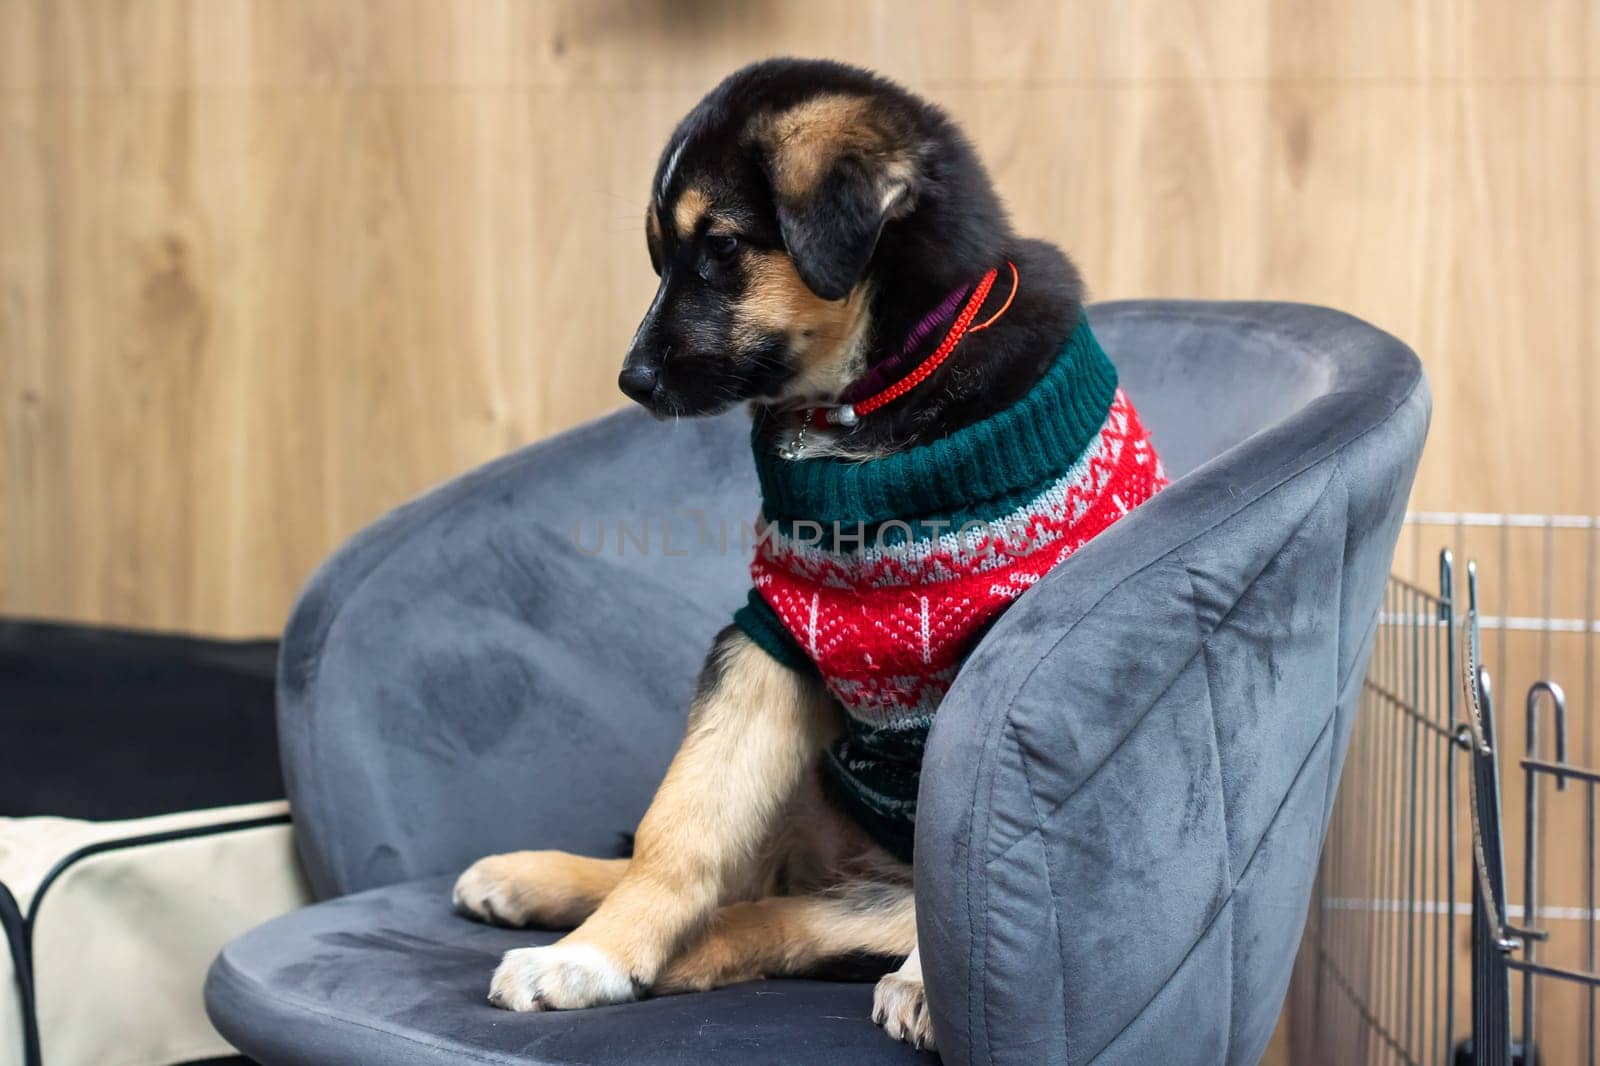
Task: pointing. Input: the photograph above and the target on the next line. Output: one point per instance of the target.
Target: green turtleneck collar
(979, 471)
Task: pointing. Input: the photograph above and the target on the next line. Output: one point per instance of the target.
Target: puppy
(935, 428)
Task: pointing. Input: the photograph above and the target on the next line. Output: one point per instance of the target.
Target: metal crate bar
(1380, 962)
(1401, 892)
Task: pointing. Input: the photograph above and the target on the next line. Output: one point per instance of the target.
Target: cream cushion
(123, 933)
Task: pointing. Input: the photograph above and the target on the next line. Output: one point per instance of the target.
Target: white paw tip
(559, 977)
(900, 1006)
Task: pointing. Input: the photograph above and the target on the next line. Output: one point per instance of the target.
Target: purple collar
(887, 371)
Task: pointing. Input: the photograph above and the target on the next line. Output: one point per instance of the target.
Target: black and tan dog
(804, 218)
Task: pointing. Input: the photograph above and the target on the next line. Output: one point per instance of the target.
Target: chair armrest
(476, 672)
(1126, 788)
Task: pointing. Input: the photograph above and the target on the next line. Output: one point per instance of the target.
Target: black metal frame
(1378, 971)
(1496, 942)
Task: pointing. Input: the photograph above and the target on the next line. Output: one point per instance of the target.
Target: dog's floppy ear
(839, 171)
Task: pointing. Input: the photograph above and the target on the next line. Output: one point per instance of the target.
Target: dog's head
(784, 205)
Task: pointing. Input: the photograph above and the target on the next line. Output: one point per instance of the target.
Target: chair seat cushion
(393, 975)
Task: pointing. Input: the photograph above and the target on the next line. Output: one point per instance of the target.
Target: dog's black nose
(638, 381)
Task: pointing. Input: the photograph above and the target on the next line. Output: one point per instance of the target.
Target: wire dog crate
(1413, 951)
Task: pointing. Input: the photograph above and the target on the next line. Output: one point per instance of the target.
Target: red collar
(848, 414)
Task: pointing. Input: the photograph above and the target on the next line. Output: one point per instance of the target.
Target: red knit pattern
(887, 627)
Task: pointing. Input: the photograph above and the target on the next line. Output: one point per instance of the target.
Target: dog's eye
(722, 246)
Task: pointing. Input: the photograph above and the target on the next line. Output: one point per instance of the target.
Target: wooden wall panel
(268, 268)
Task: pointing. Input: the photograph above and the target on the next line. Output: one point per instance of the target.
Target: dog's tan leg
(550, 889)
(754, 730)
(900, 1004)
(783, 936)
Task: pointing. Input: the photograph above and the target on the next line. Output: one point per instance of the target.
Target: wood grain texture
(270, 268)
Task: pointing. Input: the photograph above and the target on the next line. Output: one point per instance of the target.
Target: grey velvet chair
(1124, 794)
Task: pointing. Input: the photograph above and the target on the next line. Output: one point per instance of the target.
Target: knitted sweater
(882, 575)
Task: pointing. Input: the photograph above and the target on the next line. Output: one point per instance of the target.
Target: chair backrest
(1206, 376)
(1126, 789)
(506, 661)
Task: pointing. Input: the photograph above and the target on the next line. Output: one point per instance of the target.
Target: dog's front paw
(559, 977)
(900, 1005)
(497, 890)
